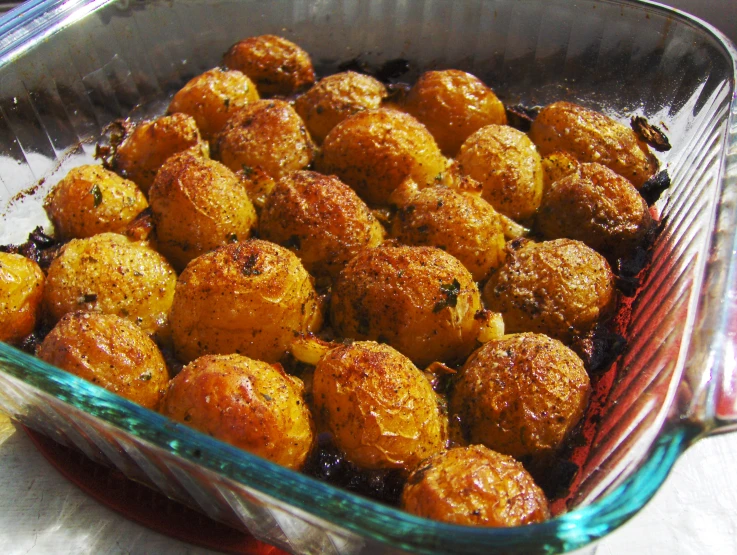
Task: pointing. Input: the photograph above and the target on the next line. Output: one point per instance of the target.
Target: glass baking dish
(69, 68)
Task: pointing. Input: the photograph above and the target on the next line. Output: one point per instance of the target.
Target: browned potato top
(520, 395)
(593, 137)
(276, 65)
(453, 104)
(21, 291)
(91, 200)
(475, 486)
(248, 403)
(321, 220)
(109, 351)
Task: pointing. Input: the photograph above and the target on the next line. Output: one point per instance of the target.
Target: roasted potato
(561, 288)
(380, 409)
(91, 200)
(108, 273)
(521, 395)
(249, 298)
(321, 220)
(198, 204)
(21, 292)
(475, 486)
(248, 403)
(593, 137)
(508, 166)
(453, 104)
(373, 151)
(109, 351)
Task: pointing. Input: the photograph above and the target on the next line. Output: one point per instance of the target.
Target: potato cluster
(323, 257)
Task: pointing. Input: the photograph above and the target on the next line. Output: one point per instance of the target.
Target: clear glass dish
(68, 68)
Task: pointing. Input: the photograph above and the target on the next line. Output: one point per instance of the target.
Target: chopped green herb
(96, 194)
(451, 292)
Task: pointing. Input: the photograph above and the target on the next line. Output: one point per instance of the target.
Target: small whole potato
(374, 151)
(521, 395)
(508, 166)
(91, 200)
(251, 404)
(561, 288)
(420, 300)
(453, 104)
(147, 147)
(597, 206)
(198, 204)
(110, 274)
(267, 134)
(320, 219)
(109, 351)
(475, 486)
(379, 407)
(250, 298)
(336, 97)
(275, 64)
(593, 137)
(212, 97)
(21, 293)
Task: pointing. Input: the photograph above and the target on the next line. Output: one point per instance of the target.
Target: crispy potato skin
(520, 395)
(275, 64)
(198, 204)
(321, 220)
(108, 273)
(267, 134)
(453, 104)
(109, 351)
(379, 407)
(143, 151)
(21, 293)
(420, 300)
(475, 486)
(561, 288)
(248, 298)
(593, 137)
(251, 404)
(91, 200)
(597, 206)
(462, 224)
(212, 97)
(336, 97)
(373, 151)
(507, 164)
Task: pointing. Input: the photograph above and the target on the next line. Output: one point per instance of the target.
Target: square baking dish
(69, 68)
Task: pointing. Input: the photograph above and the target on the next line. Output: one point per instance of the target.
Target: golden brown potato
(597, 206)
(557, 165)
(147, 147)
(461, 223)
(248, 403)
(109, 351)
(507, 165)
(336, 97)
(212, 97)
(267, 134)
(561, 288)
(275, 64)
(198, 204)
(521, 395)
(321, 220)
(593, 137)
(475, 486)
(420, 300)
(380, 409)
(91, 200)
(108, 273)
(249, 298)
(21, 292)
(375, 150)
(453, 104)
